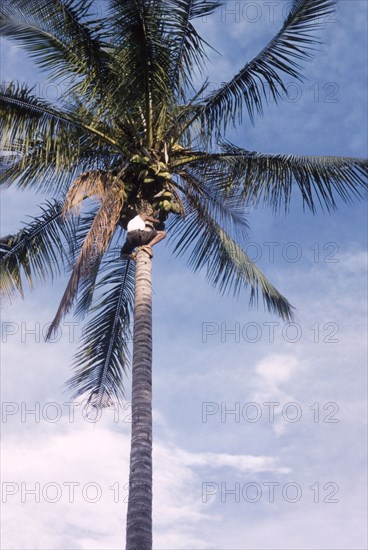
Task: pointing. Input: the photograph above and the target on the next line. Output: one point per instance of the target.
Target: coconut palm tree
(134, 133)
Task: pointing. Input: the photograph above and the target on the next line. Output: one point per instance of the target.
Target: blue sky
(252, 479)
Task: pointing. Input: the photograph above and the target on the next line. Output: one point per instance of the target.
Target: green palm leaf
(38, 250)
(227, 210)
(49, 147)
(227, 266)
(186, 45)
(263, 76)
(102, 358)
(40, 169)
(142, 58)
(62, 38)
(25, 117)
(272, 179)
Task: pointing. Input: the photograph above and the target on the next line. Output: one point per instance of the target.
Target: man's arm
(147, 218)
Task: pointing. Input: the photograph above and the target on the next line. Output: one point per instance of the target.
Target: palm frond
(48, 147)
(10, 155)
(62, 38)
(181, 120)
(27, 118)
(94, 183)
(24, 117)
(271, 179)
(141, 58)
(227, 210)
(186, 45)
(94, 246)
(227, 266)
(40, 171)
(38, 250)
(88, 284)
(86, 290)
(262, 77)
(102, 359)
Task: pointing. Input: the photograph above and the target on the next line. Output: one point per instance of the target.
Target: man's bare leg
(160, 236)
(156, 239)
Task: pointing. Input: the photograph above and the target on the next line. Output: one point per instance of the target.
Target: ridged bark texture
(139, 516)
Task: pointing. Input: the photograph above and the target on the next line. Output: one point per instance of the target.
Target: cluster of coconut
(167, 202)
(155, 173)
(149, 171)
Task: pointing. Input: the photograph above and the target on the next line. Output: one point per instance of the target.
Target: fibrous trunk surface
(139, 516)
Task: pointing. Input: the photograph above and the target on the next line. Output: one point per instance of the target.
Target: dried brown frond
(89, 184)
(93, 248)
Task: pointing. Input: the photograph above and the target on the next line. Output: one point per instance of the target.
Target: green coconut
(175, 208)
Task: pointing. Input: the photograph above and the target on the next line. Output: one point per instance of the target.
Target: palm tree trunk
(139, 516)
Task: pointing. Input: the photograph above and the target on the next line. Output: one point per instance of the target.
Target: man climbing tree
(143, 234)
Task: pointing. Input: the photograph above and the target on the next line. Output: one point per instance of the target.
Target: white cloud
(241, 463)
(277, 369)
(84, 469)
(275, 375)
